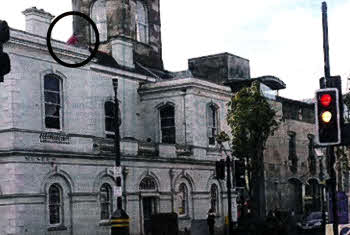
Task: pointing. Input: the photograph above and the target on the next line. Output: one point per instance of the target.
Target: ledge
(104, 223)
(57, 228)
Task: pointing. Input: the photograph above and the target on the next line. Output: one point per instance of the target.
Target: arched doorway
(295, 195)
(312, 195)
(148, 203)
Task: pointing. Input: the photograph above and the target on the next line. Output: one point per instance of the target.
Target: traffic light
(240, 173)
(327, 115)
(5, 64)
(220, 169)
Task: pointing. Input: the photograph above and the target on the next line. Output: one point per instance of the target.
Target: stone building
(56, 128)
(292, 164)
(56, 125)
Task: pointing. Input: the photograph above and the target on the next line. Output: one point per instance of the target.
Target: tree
(252, 121)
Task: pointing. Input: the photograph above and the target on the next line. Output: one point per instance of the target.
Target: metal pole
(119, 219)
(330, 149)
(333, 189)
(117, 138)
(228, 183)
(321, 177)
(325, 40)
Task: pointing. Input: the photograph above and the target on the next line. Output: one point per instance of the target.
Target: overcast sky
(280, 37)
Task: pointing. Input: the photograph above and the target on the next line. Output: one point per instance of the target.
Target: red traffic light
(325, 100)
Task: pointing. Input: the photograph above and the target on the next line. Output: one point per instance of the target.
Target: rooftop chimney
(37, 21)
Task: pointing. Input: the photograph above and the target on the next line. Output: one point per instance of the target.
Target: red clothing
(72, 40)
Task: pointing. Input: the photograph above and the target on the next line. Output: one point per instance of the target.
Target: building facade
(57, 129)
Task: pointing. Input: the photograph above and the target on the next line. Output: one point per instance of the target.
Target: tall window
(52, 96)
(293, 166)
(141, 23)
(212, 124)
(214, 198)
(109, 119)
(167, 123)
(55, 204)
(106, 201)
(183, 194)
(99, 16)
(311, 158)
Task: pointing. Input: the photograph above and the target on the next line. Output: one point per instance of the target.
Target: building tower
(131, 23)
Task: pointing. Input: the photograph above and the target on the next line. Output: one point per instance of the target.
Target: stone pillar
(37, 21)
(122, 52)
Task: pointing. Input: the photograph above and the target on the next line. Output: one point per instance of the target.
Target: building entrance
(149, 208)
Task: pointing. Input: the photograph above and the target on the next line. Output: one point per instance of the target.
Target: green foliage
(252, 121)
(222, 137)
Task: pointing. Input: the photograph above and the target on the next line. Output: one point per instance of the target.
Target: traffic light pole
(330, 149)
(333, 190)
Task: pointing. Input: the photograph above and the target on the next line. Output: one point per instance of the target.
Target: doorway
(149, 209)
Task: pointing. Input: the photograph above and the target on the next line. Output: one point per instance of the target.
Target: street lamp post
(229, 199)
(228, 186)
(119, 219)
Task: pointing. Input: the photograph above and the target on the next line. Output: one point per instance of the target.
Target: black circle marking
(48, 39)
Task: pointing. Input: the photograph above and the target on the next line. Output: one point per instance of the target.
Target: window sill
(60, 131)
(104, 223)
(57, 228)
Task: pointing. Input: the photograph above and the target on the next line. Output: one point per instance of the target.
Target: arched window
(55, 204)
(99, 16)
(141, 23)
(183, 199)
(106, 201)
(52, 100)
(167, 124)
(148, 183)
(214, 198)
(109, 119)
(212, 123)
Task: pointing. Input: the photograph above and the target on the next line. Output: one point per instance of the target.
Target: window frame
(109, 203)
(167, 127)
(60, 104)
(184, 200)
(108, 134)
(212, 108)
(60, 205)
(217, 206)
(145, 24)
(105, 22)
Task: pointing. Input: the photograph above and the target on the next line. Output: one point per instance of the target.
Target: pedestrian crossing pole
(119, 219)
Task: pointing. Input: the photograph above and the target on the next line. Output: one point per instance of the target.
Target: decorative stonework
(52, 137)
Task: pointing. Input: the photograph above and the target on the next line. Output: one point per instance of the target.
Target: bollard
(120, 223)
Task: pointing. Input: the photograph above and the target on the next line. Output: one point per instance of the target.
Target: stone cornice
(179, 84)
(121, 73)
(37, 42)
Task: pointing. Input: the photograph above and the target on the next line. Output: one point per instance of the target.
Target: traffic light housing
(240, 173)
(328, 117)
(220, 169)
(5, 64)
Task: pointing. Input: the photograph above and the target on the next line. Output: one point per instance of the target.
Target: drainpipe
(184, 122)
(171, 174)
